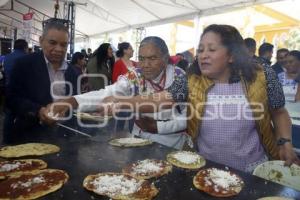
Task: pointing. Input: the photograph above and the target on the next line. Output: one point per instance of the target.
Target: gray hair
(55, 24)
(159, 43)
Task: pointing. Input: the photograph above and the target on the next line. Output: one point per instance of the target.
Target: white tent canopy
(97, 17)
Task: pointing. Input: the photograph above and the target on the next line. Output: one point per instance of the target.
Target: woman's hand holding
(287, 154)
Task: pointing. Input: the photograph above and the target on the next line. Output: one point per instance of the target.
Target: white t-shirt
(289, 87)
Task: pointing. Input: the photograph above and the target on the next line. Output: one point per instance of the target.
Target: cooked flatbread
(186, 159)
(130, 142)
(274, 198)
(120, 186)
(149, 168)
(218, 183)
(29, 149)
(94, 116)
(32, 185)
(13, 167)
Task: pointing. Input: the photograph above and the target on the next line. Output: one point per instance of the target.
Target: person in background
(79, 64)
(36, 49)
(20, 50)
(30, 50)
(83, 51)
(100, 67)
(251, 47)
(38, 79)
(1, 61)
(291, 77)
(297, 96)
(182, 62)
(121, 66)
(1, 77)
(89, 53)
(281, 59)
(2, 84)
(265, 53)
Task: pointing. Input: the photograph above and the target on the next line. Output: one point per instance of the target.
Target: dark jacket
(263, 61)
(29, 89)
(9, 62)
(277, 68)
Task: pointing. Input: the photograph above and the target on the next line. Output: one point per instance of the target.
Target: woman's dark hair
(242, 65)
(76, 56)
(295, 53)
(194, 68)
(101, 55)
(121, 47)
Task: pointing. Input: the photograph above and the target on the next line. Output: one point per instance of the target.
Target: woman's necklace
(161, 84)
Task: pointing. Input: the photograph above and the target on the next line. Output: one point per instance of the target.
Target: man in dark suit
(281, 59)
(37, 80)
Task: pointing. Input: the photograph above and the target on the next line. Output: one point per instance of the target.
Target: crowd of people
(286, 66)
(228, 105)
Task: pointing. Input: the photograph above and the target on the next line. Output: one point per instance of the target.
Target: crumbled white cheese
(147, 165)
(186, 157)
(116, 184)
(222, 178)
(38, 180)
(9, 167)
(28, 183)
(131, 140)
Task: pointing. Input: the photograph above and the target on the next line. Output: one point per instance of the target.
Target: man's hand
(56, 111)
(147, 124)
(44, 117)
(287, 154)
